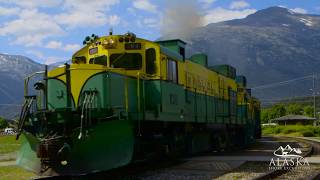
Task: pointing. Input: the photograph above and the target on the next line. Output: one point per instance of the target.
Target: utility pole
(314, 95)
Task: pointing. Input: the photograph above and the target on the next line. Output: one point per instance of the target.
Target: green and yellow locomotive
(124, 99)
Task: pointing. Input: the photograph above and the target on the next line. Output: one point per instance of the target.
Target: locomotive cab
(124, 54)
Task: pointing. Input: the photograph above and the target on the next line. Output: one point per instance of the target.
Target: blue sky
(48, 31)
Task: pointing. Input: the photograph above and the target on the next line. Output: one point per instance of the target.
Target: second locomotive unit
(124, 99)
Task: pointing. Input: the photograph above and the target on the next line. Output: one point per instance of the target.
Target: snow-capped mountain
(271, 45)
(13, 70)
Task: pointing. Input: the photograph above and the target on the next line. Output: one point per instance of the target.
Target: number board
(93, 50)
(132, 46)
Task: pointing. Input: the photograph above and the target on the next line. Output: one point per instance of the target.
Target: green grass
(15, 172)
(292, 130)
(8, 144)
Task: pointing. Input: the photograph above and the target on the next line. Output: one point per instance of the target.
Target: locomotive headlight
(109, 43)
(129, 36)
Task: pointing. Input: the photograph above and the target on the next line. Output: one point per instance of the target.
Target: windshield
(131, 61)
(102, 60)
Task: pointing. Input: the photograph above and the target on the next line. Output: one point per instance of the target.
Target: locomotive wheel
(223, 141)
(176, 145)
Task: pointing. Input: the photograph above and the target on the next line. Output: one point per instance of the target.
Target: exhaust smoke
(180, 18)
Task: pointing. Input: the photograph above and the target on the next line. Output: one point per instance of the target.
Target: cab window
(172, 71)
(150, 61)
(101, 60)
(80, 60)
(129, 61)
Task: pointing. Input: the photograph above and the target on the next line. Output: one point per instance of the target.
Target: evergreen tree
(3, 123)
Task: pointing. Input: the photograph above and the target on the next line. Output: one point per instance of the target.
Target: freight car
(124, 99)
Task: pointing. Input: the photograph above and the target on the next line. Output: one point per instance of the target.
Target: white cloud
(89, 6)
(4, 11)
(239, 5)
(54, 45)
(29, 40)
(206, 3)
(71, 47)
(114, 20)
(145, 5)
(220, 14)
(36, 53)
(282, 6)
(32, 25)
(81, 13)
(299, 10)
(60, 46)
(31, 28)
(47, 60)
(81, 19)
(33, 3)
(151, 22)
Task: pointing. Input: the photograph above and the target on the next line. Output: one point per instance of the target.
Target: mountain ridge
(13, 69)
(266, 51)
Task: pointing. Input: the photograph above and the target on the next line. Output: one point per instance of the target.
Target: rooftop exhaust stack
(200, 59)
(176, 45)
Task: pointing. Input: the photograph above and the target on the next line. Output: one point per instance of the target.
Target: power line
(10, 104)
(281, 83)
(300, 101)
(287, 98)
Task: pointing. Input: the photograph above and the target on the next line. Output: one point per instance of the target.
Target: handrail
(138, 91)
(139, 103)
(126, 94)
(23, 115)
(27, 79)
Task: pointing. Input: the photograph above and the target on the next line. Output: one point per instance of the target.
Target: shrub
(307, 133)
(277, 129)
(316, 131)
(288, 130)
(292, 130)
(3, 123)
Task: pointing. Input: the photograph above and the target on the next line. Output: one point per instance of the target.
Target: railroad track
(124, 173)
(213, 166)
(311, 172)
